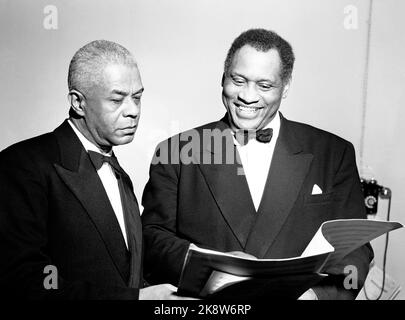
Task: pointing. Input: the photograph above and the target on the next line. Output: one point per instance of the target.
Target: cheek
(105, 124)
(95, 120)
(271, 99)
(111, 122)
(230, 91)
(108, 115)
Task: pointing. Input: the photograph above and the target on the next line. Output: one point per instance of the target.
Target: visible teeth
(248, 109)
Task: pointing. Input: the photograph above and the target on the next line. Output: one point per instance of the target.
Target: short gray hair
(89, 61)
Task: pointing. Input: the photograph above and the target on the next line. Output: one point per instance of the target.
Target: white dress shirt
(108, 179)
(256, 159)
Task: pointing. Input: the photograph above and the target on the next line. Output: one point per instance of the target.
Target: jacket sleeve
(24, 241)
(348, 204)
(165, 251)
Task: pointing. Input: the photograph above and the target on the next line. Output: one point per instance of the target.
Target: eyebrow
(124, 93)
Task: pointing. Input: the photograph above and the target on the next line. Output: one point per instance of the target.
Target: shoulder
(33, 152)
(191, 134)
(313, 138)
(186, 146)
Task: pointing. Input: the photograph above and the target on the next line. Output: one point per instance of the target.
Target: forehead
(254, 64)
(120, 76)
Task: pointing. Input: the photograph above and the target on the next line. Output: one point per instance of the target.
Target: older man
(293, 177)
(69, 220)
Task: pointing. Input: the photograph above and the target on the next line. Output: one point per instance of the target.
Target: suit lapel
(228, 184)
(78, 173)
(288, 170)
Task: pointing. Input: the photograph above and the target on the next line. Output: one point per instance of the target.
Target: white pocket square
(316, 189)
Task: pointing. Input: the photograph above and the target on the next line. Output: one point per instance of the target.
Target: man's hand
(161, 292)
(242, 254)
(308, 295)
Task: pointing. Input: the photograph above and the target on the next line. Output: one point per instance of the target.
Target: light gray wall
(384, 143)
(180, 46)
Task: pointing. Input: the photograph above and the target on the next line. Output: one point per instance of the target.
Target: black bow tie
(263, 135)
(98, 159)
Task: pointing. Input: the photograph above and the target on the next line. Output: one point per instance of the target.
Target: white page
(318, 245)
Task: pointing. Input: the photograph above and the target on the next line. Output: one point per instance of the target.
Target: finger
(170, 287)
(242, 254)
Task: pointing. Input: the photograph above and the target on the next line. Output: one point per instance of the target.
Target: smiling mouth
(248, 109)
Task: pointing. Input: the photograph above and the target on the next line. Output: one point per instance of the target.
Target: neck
(264, 124)
(80, 125)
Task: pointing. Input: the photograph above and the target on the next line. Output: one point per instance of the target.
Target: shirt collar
(87, 144)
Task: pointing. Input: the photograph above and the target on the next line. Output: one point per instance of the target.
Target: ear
(286, 88)
(77, 102)
(223, 80)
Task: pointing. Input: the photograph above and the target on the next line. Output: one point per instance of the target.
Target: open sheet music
(209, 273)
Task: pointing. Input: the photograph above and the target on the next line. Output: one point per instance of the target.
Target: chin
(123, 140)
(246, 124)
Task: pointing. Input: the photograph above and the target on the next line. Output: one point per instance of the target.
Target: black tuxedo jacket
(54, 211)
(210, 204)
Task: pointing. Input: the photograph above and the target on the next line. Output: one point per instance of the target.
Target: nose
(248, 94)
(132, 108)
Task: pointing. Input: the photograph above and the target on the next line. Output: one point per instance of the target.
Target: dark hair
(263, 40)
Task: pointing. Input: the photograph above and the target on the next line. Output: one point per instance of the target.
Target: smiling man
(253, 87)
(293, 178)
(69, 221)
